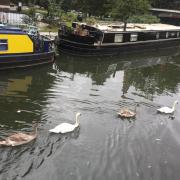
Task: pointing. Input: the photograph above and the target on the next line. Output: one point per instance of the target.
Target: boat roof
(11, 30)
(116, 27)
(165, 10)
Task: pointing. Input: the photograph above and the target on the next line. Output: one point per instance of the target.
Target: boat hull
(75, 48)
(25, 60)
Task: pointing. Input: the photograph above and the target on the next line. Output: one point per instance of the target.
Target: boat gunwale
(8, 31)
(140, 31)
(46, 58)
(25, 54)
(121, 43)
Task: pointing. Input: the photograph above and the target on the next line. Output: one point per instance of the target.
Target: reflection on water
(11, 87)
(105, 146)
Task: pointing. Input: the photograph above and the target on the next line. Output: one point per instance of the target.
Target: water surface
(105, 146)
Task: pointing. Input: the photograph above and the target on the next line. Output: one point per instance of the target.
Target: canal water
(105, 146)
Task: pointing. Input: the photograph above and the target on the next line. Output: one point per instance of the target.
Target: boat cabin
(102, 37)
(14, 40)
(113, 33)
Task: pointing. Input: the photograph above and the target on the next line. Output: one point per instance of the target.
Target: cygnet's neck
(34, 131)
(3, 142)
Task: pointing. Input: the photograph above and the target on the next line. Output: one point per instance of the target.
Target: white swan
(66, 127)
(168, 110)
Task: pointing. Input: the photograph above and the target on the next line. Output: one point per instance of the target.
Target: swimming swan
(66, 127)
(20, 138)
(168, 110)
(126, 113)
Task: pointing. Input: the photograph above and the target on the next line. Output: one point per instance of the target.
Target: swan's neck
(135, 108)
(77, 120)
(174, 105)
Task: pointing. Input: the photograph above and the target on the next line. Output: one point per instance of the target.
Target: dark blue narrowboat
(110, 39)
(19, 49)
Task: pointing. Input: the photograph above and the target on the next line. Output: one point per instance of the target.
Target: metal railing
(11, 18)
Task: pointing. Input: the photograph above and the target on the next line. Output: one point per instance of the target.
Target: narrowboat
(18, 49)
(111, 39)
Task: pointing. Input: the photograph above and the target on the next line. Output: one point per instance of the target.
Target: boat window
(118, 38)
(133, 37)
(3, 44)
(177, 34)
(167, 35)
(172, 34)
(157, 36)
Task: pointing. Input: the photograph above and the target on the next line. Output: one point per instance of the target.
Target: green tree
(93, 7)
(31, 16)
(125, 9)
(99, 7)
(54, 11)
(67, 5)
(43, 3)
(165, 4)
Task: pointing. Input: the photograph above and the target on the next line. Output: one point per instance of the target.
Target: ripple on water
(105, 146)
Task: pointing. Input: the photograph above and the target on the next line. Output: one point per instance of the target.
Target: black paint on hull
(25, 60)
(74, 48)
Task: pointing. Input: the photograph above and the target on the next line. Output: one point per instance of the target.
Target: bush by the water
(147, 18)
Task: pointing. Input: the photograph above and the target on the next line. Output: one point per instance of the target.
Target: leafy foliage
(31, 16)
(125, 9)
(146, 18)
(166, 4)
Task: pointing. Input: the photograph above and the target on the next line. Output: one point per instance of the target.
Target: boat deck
(116, 27)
